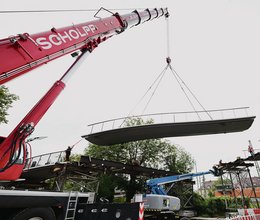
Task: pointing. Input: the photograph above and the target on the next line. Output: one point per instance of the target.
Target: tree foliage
(177, 159)
(210, 207)
(6, 100)
(107, 185)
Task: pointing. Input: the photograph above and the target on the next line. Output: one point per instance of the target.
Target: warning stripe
(141, 211)
(245, 217)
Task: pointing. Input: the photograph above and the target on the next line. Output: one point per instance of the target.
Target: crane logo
(59, 38)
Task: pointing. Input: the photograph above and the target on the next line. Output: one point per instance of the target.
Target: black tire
(40, 213)
(166, 216)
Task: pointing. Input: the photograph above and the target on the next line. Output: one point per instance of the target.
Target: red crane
(24, 52)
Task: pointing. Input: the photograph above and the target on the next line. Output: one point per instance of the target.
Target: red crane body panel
(22, 53)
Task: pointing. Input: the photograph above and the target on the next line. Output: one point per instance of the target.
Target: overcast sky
(214, 46)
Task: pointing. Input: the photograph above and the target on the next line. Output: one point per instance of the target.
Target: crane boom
(24, 52)
(156, 184)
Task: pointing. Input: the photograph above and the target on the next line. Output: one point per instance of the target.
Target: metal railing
(170, 117)
(45, 159)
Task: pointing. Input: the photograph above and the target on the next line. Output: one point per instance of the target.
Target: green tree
(6, 100)
(154, 153)
(75, 157)
(107, 185)
(215, 206)
(177, 159)
(199, 204)
(145, 152)
(212, 206)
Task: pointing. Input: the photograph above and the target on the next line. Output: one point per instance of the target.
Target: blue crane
(156, 184)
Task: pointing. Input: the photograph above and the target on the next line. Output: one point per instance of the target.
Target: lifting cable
(185, 93)
(177, 76)
(162, 75)
(159, 77)
(64, 10)
(157, 80)
(179, 80)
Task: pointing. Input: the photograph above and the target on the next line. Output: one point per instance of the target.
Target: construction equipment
(22, 53)
(157, 202)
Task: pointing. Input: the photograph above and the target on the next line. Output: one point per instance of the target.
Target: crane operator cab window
(166, 202)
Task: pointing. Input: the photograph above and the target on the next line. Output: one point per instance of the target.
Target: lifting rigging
(204, 124)
(183, 86)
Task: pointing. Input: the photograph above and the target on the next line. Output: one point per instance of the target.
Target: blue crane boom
(156, 184)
